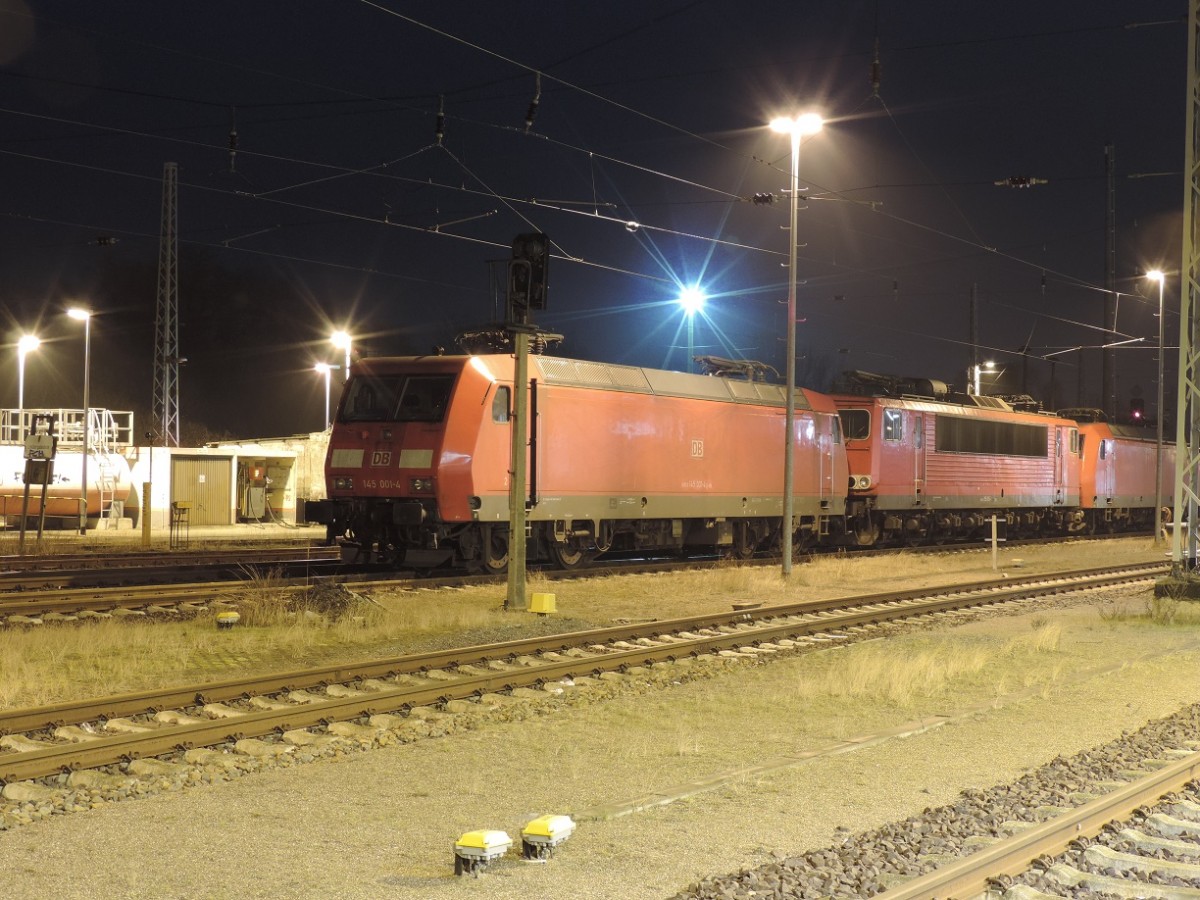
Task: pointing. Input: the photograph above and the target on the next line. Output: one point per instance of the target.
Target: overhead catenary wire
(979, 245)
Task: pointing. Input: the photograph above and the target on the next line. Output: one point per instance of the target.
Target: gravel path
(382, 823)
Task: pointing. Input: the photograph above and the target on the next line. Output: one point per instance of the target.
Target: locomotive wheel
(494, 550)
(802, 541)
(744, 541)
(569, 555)
(866, 533)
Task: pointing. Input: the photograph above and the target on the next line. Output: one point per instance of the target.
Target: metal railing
(108, 430)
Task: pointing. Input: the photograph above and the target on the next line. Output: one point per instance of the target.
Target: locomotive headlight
(860, 482)
(343, 483)
(421, 485)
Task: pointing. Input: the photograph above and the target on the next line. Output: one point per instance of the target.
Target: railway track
(110, 557)
(85, 571)
(113, 731)
(59, 589)
(1155, 853)
(1117, 821)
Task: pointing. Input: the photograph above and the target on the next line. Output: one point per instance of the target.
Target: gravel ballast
(381, 823)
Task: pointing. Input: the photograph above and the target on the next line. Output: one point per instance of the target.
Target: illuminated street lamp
(1160, 277)
(325, 369)
(692, 300)
(85, 316)
(341, 340)
(808, 123)
(25, 346)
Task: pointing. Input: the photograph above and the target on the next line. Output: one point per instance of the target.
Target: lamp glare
(692, 300)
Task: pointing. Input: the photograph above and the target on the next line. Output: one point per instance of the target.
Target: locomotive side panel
(475, 461)
(996, 463)
(1117, 468)
(613, 454)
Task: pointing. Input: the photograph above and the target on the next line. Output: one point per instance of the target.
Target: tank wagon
(620, 458)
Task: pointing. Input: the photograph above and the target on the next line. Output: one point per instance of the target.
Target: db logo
(381, 458)
(697, 449)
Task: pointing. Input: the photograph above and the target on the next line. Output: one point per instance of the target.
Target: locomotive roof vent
(985, 401)
(982, 401)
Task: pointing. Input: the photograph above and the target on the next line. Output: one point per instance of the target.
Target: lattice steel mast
(165, 402)
(1187, 414)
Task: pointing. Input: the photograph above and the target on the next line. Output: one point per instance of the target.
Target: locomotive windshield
(397, 398)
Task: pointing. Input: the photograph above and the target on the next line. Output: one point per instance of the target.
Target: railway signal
(527, 276)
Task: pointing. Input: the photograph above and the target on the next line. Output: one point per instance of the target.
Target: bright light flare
(79, 314)
(1156, 275)
(340, 339)
(27, 343)
(806, 123)
(692, 299)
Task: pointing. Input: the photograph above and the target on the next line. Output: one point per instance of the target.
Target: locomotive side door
(825, 435)
(918, 458)
(1060, 465)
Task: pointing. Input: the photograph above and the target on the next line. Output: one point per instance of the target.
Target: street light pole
(341, 340)
(325, 369)
(977, 372)
(797, 127)
(692, 300)
(25, 345)
(1160, 277)
(85, 316)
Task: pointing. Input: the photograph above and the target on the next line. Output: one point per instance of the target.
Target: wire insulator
(439, 129)
(876, 71)
(763, 199)
(233, 139)
(531, 113)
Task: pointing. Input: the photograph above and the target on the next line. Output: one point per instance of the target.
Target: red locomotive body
(620, 458)
(924, 469)
(1117, 473)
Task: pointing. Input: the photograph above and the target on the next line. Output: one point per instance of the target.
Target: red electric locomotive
(926, 465)
(1117, 472)
(620, 458)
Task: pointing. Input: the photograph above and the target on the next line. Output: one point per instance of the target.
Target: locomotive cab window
(424, 398)
(500, 405)
(397, 398)
(893, 425)
(856, 424)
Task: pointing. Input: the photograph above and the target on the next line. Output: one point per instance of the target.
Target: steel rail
(72, 712)
(734, 633)
(31, 603)
(970, 876)
(115, 557)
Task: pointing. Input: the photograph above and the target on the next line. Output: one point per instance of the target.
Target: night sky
(342, 207)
